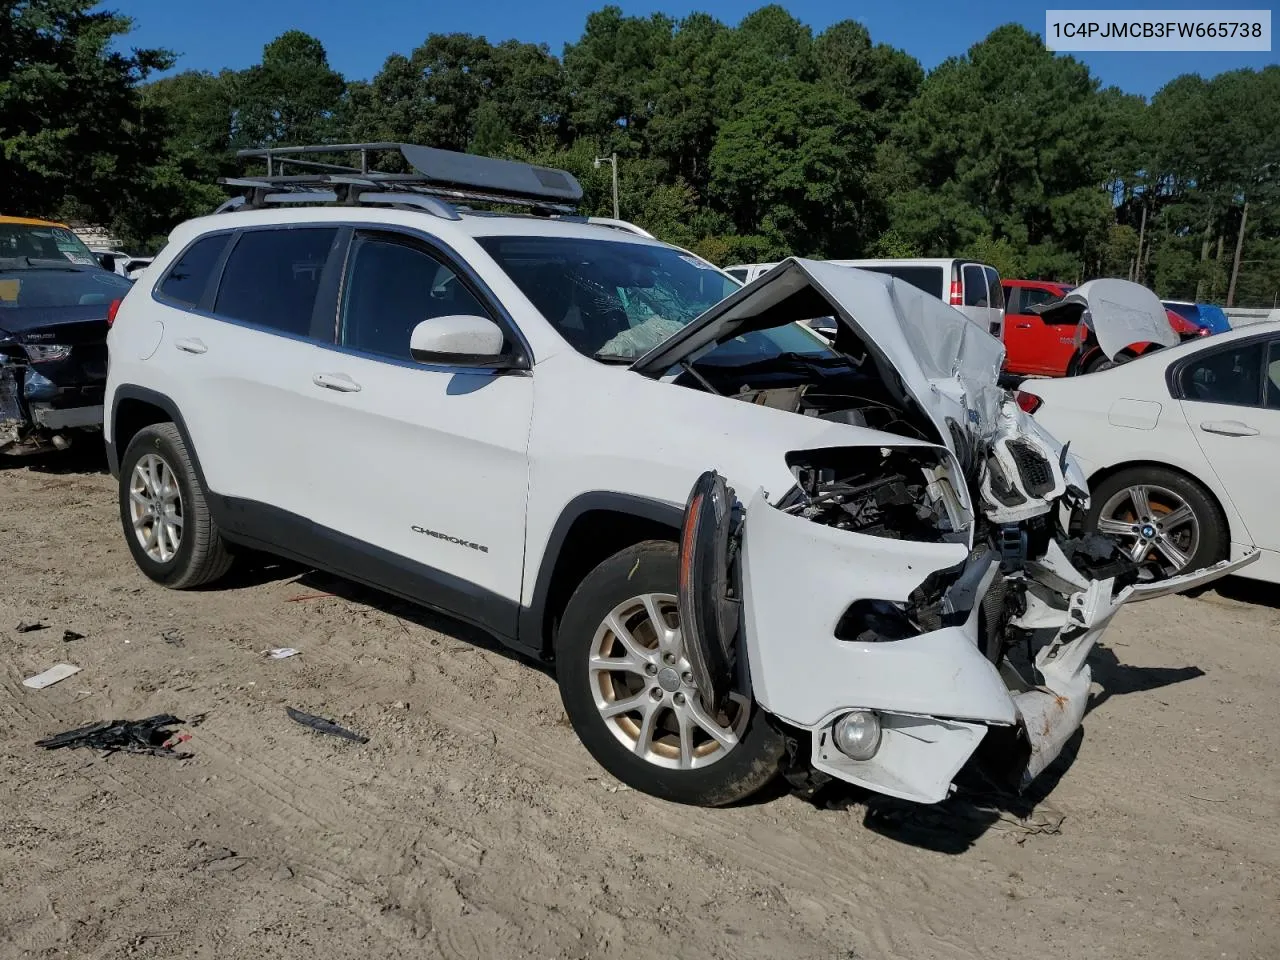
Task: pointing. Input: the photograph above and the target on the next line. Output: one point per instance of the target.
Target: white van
(972, 288)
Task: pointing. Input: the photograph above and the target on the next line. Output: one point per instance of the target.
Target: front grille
(1035, 470)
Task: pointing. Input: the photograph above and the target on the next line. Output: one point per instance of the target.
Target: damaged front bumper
(29, 424)
(936, 692)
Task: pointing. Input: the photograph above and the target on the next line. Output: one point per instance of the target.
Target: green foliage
(744, 142)
(72, 129)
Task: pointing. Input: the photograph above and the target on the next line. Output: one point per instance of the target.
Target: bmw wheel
(1164, 520)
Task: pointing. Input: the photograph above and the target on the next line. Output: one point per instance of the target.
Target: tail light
(957, 293)
(1028, 402)
(112, 311)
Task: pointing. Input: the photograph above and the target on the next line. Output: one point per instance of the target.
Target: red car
(1034, 346)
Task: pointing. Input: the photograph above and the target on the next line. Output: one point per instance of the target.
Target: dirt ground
(472, 824)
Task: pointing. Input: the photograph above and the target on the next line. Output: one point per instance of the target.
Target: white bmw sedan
(1182, 449)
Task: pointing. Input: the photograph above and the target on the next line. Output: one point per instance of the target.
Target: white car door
(424, 489)
(1231, 398)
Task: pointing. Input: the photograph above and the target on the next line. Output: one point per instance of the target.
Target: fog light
(857, 735)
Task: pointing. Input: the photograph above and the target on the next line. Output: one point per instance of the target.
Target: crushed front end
(886, 600)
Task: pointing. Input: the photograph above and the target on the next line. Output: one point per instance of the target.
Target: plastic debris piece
(282, 653)
(51, 676)
(150, 735)
(70, 635)
(321, 725)
(29, 627)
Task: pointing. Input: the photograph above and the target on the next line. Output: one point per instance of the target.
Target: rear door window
(1231, 375)
(189, 276)
(995, 293)
(272, 277)
(1013, 299)
(976, 293)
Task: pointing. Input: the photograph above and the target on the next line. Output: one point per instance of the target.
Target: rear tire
(609, 653)
(164, 514)
(1204, 539)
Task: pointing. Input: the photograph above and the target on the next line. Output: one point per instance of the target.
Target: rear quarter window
(187, 279)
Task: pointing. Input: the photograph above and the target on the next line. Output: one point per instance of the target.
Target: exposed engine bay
(901, 493)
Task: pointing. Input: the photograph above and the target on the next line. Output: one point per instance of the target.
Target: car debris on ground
(281, 653)
(321, 725)
(70, 636)
(152, 735)
(31, 627)
(48, 678)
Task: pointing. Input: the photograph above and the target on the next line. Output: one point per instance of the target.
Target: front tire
(626, 686)
(164, 514)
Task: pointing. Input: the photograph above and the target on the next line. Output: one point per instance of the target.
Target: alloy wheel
(155, 508)
(644, 690)
(1155, 525)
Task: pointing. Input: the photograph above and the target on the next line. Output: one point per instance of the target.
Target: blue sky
(231, 33)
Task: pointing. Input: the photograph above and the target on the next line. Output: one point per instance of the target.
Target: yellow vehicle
(42, 240)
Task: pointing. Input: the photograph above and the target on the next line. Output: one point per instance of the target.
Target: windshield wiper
(614, 358)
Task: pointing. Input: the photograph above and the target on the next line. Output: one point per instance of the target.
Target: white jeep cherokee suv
(745, 549)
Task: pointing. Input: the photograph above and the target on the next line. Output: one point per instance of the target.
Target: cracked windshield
(616, 301)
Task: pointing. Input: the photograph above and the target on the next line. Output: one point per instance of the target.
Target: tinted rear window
(189, 275)
(928, 279)
(272, 277)
(995, 292)
(60, 288)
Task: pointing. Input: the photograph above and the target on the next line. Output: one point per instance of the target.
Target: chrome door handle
(336, 381)
(1228, 428)
(1023, 326)
(191, 345)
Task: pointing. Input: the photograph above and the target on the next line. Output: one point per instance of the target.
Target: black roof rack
(434, 173)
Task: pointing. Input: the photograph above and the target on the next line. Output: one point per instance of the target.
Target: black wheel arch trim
(161, 402)
(532, 617)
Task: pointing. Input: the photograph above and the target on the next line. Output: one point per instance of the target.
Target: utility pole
(1142, 237)
(1235, 266)
(612, 160)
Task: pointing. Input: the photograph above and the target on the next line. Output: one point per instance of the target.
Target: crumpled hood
(1119, 312)
(930, 353)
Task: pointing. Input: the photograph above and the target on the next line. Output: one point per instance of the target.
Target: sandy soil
(474, 825)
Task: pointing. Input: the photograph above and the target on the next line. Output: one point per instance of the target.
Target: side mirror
(458, 340)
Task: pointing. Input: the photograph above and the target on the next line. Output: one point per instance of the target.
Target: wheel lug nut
(651, 668)
(679, 698)
(687, 677)
(668, 658)
(655, 693)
